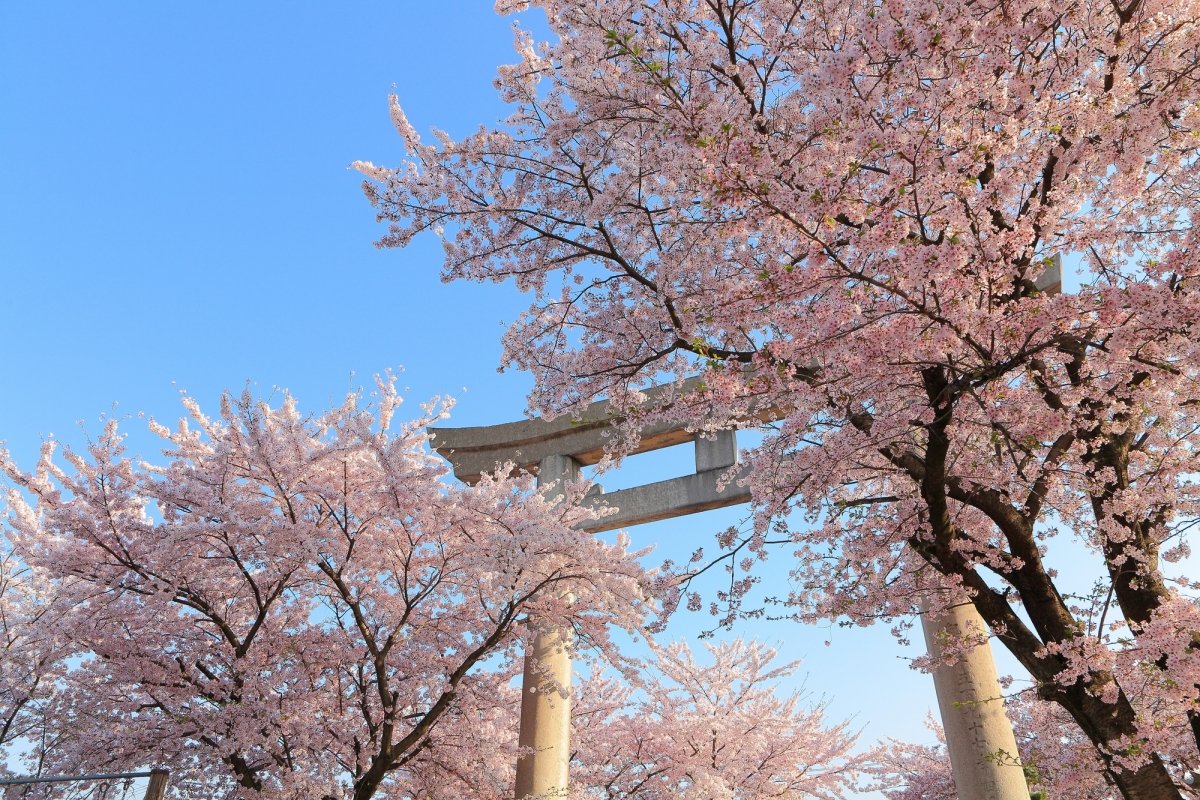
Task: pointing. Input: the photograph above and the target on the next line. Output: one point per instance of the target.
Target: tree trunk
(1151, 782)
(1106, 725)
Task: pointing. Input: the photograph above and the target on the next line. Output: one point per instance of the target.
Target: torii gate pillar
(979, 736)
(545, 733)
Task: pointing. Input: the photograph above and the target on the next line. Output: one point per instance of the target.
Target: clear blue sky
(176, 213)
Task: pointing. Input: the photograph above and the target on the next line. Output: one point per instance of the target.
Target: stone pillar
(979, 737)
(545, 718)
(545, 711)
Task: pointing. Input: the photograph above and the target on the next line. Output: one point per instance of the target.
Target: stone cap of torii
(582, 438)
(475, 450)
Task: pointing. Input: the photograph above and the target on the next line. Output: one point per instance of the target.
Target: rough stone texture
(1050, 281)
(979, 737)
(716, 453)
(675, 497)
(545, 718)
(526, 442)
(545, 689)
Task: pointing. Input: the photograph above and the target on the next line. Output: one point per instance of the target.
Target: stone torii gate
(979, 736)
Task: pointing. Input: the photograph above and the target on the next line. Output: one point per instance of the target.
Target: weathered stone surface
(979, 736)
(475, 450)
(1050, 281)
(675, 497)
(545, 727)
(718, 452)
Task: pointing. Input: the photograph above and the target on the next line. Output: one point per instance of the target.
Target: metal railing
(155, 788)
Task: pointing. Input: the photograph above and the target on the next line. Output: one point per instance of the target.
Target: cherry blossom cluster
(289, 605)
(841, 217)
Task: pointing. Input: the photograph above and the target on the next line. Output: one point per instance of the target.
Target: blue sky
(177, 213)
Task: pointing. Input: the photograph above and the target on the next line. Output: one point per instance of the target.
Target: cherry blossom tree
(1059, 761)
(295, 606)
(837, 215)
(32, 655)
(676, 728)
(697, 730)
(908, 771)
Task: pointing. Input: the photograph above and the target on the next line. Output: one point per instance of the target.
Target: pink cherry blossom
(288, 606)
(837, 214)
(678, 727)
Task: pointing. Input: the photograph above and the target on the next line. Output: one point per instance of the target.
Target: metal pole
(100, 776)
